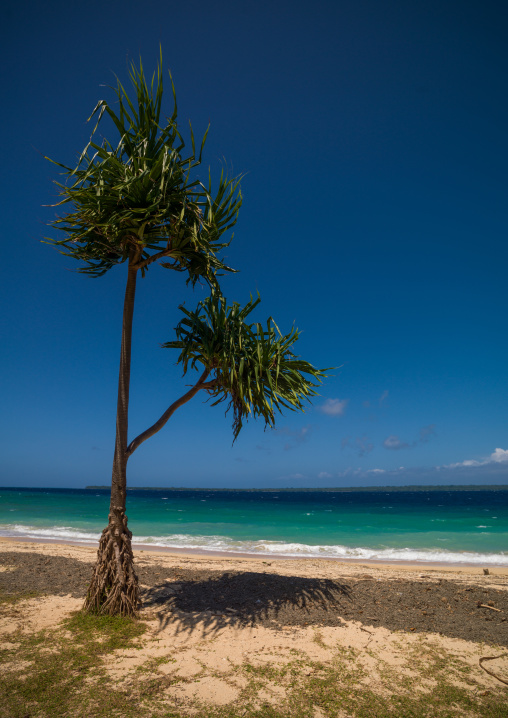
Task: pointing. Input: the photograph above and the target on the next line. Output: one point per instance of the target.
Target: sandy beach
(259, 634)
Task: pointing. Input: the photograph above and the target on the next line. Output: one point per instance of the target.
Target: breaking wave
(273, 548)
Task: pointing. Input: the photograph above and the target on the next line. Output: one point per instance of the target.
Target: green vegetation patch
(109, 632)
(345, 687)
(61, 673)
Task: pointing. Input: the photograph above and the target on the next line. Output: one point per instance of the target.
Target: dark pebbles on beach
(36, 573)
(456, 609)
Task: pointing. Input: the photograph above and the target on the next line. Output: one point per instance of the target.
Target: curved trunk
(114, 585)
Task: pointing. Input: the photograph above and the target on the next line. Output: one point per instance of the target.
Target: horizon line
(400, 487)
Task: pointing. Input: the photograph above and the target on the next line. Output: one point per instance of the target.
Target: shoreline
(204, 555)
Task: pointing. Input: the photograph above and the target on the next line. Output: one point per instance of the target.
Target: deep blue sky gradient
(373, 140)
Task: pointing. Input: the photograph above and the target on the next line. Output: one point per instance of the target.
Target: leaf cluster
(253, 368)
(137, 200)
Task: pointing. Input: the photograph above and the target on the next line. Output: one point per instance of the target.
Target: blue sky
(373, 141)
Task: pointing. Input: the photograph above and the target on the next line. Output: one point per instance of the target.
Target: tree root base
(114, 589)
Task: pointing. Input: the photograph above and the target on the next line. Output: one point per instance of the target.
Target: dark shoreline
(422, 488)
(259, 595)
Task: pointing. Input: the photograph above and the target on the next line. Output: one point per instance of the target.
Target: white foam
(229, 545)
(54, 532)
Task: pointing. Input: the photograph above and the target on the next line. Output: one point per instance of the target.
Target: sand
(210, 653)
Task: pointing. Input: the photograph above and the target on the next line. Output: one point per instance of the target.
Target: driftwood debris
(491, 673)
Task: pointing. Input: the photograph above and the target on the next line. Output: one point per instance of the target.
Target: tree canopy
(253, 368)
(137, 200)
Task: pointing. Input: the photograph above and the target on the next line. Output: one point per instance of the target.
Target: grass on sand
(63, 671)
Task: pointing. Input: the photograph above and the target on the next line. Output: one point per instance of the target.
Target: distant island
(452, 487)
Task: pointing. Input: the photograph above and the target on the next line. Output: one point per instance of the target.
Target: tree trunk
(114, 586)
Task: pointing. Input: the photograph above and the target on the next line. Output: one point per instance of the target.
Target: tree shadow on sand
(213, 600)
(245, 599)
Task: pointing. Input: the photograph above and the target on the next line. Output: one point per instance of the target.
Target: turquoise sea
(436, 525)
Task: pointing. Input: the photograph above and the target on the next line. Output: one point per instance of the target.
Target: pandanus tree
(137, 202)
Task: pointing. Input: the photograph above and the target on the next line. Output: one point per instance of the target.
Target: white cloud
(491, 469)
(383, 397)
(499, 455)
(334, 407)
(393, 442)
(468, 462)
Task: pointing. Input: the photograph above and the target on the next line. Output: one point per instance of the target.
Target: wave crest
(273, 548)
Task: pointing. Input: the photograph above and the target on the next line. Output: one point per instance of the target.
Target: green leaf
(255, 369)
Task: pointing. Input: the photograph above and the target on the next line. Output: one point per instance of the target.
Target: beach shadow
(241, 600)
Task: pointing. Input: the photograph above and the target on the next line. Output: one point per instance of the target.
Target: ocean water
(452, 526)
